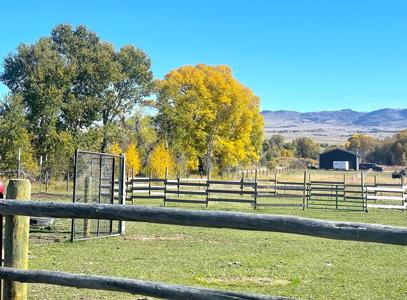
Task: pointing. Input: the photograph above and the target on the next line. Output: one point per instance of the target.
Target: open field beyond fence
(264, 263)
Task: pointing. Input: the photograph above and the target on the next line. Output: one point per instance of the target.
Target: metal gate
(98, 178)
(335, 195)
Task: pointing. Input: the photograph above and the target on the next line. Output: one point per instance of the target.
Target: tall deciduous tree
(14, 135)
(362, 143)
(306, 148)
(133, 159)
(72, 79)
(160, 159)
(203, 112)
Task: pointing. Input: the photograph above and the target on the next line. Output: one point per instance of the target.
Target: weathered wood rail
(131, 286)
(213, 219)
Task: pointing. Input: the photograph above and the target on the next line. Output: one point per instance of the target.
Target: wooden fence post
(87, 198)
(165, 185)
(336, 197)
(375, 185)
(304, 195)
(344, 187)
(149, 184)
(255, 189)
(241, 185)
(178, 180)
(17, 230)
(132, 185)
(364, 195)
(208, 178)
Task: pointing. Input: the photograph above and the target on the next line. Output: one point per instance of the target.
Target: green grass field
(266, 263)
(258, 262)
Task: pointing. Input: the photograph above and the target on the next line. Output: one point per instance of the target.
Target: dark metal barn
(328, 159)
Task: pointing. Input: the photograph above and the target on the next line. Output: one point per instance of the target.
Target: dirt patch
(47, 239)
(176, 237)
(242, 280)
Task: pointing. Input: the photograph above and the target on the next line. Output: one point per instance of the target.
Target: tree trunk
(105, 139)
(103, 147)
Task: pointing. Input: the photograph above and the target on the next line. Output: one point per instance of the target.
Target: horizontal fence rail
(271, 192)
(213, 219)
(117, 284)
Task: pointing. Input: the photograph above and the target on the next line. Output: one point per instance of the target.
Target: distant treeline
(389, 151)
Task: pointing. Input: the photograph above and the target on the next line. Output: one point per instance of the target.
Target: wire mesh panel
(98, 178)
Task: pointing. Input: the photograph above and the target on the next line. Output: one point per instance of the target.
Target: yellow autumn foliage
(206, 113)
(133, 159)
(160, 159)
(115, 149)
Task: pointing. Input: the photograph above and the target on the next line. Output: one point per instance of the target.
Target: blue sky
(295, 55)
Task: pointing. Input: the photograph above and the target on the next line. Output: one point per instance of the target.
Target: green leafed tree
(72, 80)
(14, 135)
(306, 148)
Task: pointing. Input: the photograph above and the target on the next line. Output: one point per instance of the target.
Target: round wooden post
(17, 231)
(87, 197)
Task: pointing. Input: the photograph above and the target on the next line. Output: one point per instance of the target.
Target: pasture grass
(258, 262)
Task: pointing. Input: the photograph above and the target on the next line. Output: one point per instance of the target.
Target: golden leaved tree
(133, 159)
(115, 149)
(204, 113)
(160, 159)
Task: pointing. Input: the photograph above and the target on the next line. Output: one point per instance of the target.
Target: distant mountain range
(395, 118)
(335, 126)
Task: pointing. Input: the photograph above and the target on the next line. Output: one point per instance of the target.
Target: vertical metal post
(113, 182)
(275, 184)
(309, 190)
(149, 184)
(75, 176)
(208, 178)
(165, 185)
(241, 185)
(255, 189)
(87, 198)
(344, 187)
(364, 193)
(122, 194)
(18, 162)
(40, 173)
(132, 185)
(178, 180)
(100, 192)
(304, 193)
(375, 185)
(336, 197)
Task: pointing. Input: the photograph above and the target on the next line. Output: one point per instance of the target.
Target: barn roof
(343, 150)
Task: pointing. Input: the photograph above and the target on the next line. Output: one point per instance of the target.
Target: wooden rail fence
(273, 192)
(16, 276)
